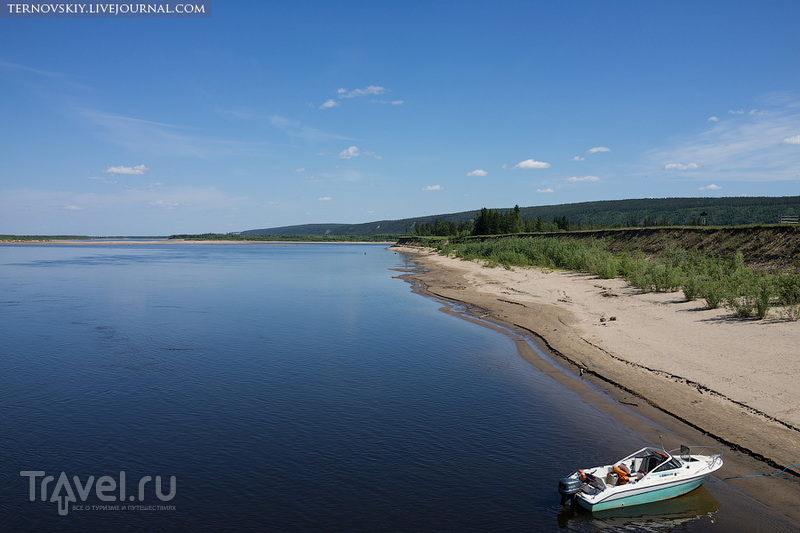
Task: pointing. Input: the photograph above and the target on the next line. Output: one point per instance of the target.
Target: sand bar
(734, 380)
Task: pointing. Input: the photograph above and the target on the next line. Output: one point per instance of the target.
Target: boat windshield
(668, 465)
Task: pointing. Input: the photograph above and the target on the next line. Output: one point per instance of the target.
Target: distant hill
(609, 213)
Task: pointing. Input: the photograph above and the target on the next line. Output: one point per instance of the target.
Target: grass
(719, 281)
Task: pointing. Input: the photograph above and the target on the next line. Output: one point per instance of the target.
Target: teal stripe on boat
(650, 496)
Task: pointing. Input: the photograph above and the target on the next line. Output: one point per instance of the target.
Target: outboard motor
(568, 487)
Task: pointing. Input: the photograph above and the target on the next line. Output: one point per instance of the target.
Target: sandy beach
(734, 380)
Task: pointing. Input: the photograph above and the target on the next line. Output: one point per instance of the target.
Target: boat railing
(714, 452)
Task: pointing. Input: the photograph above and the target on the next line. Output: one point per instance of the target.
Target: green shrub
(746, 292)
(765, 291)
(788, 289)
(633, 268)
(712, 291)
(791, 312)
(631, 264)
(543, 252)
(663, 276)
(741, 305)
(692, 285)
(674, 255)
(606, 267)
(640, 280)
(716, 280)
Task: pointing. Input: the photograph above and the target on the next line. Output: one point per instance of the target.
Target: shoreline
(696, 372)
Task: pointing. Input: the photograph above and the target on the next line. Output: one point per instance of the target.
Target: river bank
(729, 379)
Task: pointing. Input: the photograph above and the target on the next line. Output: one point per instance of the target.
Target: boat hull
(645, 495)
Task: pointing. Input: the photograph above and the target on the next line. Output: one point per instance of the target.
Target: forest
(605, 214)
(496, 222)
(511, 221)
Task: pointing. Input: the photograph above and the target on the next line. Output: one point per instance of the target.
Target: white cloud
(129, 211)
(164, 139)
(530, 163)
(349, 153)
(433, 188)
(240, 114)
(711, 187)
(164, 204)
(545, 191)
(138, 170)
(324, 199)
(370, 90)
(599, 149)
(578, 158)
(736, 111)
(576, 179)
(300, 169)
(15, 66)
(294, 128)
(387, 102)
(743, 147)
(478, 172)
(681, 166)
(103, 180)
(713, 119)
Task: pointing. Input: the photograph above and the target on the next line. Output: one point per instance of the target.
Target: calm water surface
(287, 388)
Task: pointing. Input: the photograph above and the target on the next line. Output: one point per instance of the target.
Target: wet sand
(701, 374)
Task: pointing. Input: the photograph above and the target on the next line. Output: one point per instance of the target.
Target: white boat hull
(642, 495)
(646, 476)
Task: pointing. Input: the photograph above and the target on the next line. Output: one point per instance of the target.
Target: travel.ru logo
(106, 489)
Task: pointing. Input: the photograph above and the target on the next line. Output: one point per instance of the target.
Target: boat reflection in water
(658, 516)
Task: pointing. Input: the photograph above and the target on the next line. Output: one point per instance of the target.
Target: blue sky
(277, 113)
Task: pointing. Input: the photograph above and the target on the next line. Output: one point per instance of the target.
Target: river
(287, 388)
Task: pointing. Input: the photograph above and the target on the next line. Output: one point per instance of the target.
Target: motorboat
(664, 516)
(648, 475)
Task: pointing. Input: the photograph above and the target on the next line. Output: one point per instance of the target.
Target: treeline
(718, 281)
(604, 214)
(507, 222)
(510, 221)
(489, 222)
(645, 212)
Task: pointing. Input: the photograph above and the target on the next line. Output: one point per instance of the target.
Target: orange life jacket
(622, 474)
